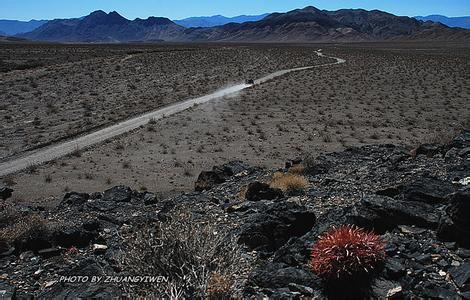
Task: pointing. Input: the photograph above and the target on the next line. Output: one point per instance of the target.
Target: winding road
(49, 153)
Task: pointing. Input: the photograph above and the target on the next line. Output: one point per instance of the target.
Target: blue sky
(174, 9)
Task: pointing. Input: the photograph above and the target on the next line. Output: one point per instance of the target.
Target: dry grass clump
(198, 258)
(291, 184)
(346, 251)
(298, 169)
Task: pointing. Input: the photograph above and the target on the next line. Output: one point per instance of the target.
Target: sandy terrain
(385, 93)
(46, 154)
(57, 92)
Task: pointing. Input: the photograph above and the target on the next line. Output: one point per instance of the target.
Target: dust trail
(43, 155)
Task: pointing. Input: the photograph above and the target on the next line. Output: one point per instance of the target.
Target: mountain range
(12, 27)
(217, 20)
(307, 24)
(462, 22)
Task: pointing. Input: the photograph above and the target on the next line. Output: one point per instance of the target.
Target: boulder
(207, 180)
(381, 213)
(262, 191)
(74, 199)
(273, 225)
(428, 190)
(149, 198)
(219, 174)
(454, 225)
(5, 193)
(118, 194)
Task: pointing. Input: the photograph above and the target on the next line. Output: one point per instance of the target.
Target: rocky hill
(301, 25)
(312, 24)
(239, 236)
(102, 27)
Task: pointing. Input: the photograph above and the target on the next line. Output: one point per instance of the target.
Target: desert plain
(405, 93)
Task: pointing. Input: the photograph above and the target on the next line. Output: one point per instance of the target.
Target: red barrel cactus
(346, 251)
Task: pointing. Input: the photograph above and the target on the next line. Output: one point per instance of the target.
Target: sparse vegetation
(196, 257)
(292, 184)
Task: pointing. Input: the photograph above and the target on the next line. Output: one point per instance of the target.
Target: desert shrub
(198, 258)
(297, 169)
(346, 251)
(291, 184)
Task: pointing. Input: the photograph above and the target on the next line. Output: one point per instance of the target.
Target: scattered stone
(395, 293)
(50, 252)
(49, 284)
(99, 249)
(257, 191)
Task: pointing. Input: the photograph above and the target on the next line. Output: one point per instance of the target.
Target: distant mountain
(462, 22)
(312, 24)
(102, 27)
(301, 25)
(12, 27)
(217, 20)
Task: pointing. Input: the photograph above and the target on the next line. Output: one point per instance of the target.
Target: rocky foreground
(418, 201)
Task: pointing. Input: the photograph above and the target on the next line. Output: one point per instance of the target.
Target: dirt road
(52, 152)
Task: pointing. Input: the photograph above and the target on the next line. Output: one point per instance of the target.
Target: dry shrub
(346, 251)
(20, 227)
(291, 184)
(219, 287)
(198, 258)
(298, 169)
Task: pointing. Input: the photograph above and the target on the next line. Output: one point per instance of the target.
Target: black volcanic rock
(261, 191)
(455, 223)
(5, 193)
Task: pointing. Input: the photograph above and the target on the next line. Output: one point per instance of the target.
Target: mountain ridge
(462, 22)
(217, 20)
(308, 24)
(12, 27)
